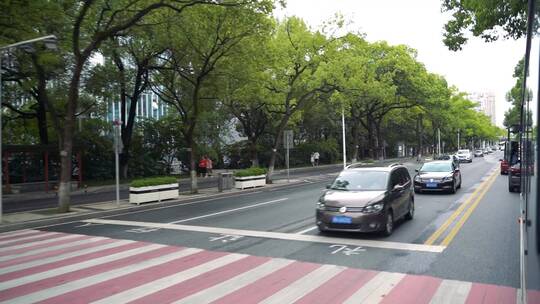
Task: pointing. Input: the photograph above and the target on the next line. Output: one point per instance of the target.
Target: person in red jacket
(202, 167)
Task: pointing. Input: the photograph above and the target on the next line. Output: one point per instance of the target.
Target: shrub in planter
(153, 189)
(251, 177)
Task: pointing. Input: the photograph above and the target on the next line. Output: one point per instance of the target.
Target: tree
(484, 19)
(295, 77)
(198, 44)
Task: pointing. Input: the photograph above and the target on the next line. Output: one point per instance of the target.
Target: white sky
(479, 67)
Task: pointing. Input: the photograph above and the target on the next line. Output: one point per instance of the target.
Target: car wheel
(410, 215)
(454, 188)
(389, 225)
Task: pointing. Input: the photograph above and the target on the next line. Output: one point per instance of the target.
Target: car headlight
(417, 178)
(373, 208)
(320, 204)
(448, 178)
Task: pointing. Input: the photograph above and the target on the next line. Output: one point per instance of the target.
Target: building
(486, 104)
(149, 106)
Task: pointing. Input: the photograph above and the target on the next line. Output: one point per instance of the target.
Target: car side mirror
(416, 170)
(456, 170)
(328, 186)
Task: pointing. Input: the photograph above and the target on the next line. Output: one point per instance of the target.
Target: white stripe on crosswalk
(277, 235)
(162, 283)
(451, 292)
(16, 233)
(37, 243)
(77, 266)
(374, 290)
(46, 249)
(27, 238)
(102, 277)
(213, 293)
(305, 285)
(61, 257)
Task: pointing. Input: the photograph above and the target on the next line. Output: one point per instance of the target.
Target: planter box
(249, 181)
(153, 193)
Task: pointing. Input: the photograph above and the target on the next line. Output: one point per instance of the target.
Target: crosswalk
(52, 267)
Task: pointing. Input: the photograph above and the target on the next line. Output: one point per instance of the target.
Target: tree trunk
(253, 152)
(380, 141)
(193, 163)
(277, 142)
(355, 141)
(66, 146)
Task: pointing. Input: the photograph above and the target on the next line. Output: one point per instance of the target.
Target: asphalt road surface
(470, 236)
(16, 203)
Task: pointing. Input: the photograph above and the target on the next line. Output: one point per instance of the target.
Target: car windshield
(360, 180)
(436, 167)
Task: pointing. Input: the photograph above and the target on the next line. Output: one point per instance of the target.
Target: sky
(479, 67)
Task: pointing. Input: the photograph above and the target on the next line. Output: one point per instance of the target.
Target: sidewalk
(41, 217)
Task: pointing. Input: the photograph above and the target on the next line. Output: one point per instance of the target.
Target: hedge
(250, 172)
(153, 181)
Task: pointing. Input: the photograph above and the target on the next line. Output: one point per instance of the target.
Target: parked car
(478, 153)
(366, 200)
(465, 155)
(437, 176)
(514, 178)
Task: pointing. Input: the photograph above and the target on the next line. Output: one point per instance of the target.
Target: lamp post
(50, 43)
(343, 135)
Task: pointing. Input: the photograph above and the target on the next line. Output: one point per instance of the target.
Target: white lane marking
(279, 236)
(42, 250)
(305, 285)
(230, 210)
(61, 257)
(16, 233)
(451, 292)
(306, 230)
(62, 238)
(165, 282)
(27, 238)
(101, 277)
(374, 290)
(78, 266)
(213, 293)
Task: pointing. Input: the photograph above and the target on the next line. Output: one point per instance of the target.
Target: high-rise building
(486, 104)
(149, 106)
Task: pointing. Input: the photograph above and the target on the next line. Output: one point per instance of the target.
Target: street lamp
(50, 43)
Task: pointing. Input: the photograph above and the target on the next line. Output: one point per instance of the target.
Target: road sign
(288, 139)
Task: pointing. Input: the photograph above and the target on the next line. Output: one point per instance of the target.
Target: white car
(465, 155)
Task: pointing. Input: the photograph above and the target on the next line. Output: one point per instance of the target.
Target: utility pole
(439, 140)
(458, 139)
(117, 150)
(343, 134)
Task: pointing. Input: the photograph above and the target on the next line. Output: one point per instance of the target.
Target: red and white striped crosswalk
(52, 267)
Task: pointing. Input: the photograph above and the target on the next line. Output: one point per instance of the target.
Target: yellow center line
(467, 214)
(431, 240)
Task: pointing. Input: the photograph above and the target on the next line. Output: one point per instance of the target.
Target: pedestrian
(312, 159)
(209, 166)
(202, 167)
(316, 156)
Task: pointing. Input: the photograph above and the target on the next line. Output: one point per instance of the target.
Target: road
(454, 239)
(19, 203)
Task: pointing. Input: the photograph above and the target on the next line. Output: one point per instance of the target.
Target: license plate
(431, 185)
(341, 220)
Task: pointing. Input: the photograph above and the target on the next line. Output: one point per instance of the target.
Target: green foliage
(250, 172)
(153, 181)
(484, 19)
